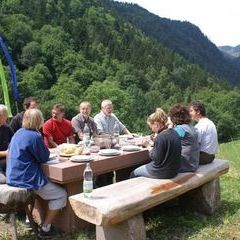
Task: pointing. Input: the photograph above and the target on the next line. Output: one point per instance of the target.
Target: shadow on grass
(172, 222)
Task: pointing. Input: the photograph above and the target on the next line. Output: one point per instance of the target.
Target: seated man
(82, 119)
(207, 133)
(28, 103)
(24, 168)
(57, 130)
(107, 122)
(6, 134)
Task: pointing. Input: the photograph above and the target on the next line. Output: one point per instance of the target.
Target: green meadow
(172, 222)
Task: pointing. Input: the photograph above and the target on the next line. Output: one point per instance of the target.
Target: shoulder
(204, 123)
(98, 116)
(114, 116)
(6, 129)
(91, 119)
(48, 123)
(77, 117)
(66, 122)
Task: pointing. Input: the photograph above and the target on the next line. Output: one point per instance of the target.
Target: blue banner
(12, 70)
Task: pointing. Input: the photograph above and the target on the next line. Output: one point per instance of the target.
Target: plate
(67, 155)
(131, 148)
(54, 161)
(52, 156)
(109, 152)
(81, 158)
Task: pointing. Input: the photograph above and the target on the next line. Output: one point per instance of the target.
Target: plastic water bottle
(116, 133)
(87, 181)
(86, 135)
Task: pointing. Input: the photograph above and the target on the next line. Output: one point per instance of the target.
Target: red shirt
(59, 131)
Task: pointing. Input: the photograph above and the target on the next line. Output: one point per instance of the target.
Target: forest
(183, 37)
(66, 51)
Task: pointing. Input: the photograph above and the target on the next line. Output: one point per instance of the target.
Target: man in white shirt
(207, 133)
(106, 121)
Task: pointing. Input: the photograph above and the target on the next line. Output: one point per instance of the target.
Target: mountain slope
(183, 37)
(233, 52)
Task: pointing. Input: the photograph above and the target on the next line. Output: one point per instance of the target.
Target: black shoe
(51, 233)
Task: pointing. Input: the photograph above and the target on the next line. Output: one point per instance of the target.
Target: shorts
(56, 195)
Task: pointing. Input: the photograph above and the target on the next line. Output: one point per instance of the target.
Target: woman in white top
(207, 133)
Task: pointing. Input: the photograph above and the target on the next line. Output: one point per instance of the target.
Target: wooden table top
(68, 171)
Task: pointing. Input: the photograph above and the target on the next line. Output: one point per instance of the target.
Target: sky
(219, 20)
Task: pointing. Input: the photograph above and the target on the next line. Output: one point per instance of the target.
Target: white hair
(106, 102)
(3, 109)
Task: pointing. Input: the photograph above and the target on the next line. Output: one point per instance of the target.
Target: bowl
(105, 140)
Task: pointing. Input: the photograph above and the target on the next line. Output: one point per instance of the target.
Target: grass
(175, 223)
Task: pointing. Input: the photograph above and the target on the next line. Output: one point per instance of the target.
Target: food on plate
(71, 150)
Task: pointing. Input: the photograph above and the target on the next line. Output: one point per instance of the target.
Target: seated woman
(165, 156)
(26, 153)
(6, 134)
(180, 118)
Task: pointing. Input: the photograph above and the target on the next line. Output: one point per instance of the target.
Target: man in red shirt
(57, 129)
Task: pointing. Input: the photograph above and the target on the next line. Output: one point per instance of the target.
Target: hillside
(182, 37)
(68, 51)
(233, 52)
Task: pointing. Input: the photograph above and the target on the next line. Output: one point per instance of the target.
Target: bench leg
(204, 199)
(131, 229)
(13, 226)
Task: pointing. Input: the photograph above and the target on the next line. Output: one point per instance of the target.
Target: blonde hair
(32, 119)
(158, 116)
(3, 109)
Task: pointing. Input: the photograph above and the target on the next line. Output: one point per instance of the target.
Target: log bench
(117, 209)
(14, 199)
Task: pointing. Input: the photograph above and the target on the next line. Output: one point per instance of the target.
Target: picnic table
(70, 175)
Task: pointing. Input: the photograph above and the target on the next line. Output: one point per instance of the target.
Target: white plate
(54, 161)
(131, 148)
(81, 158)
(52, 156)
(109, 152)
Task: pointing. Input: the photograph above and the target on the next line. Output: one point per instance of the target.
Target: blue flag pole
(12, 70)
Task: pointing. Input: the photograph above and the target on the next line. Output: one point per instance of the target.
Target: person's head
(179, 114)
(157, 121)
(30, 103)
(32, 119)
(85, 109)
(58, 112)
(197, 110)
(107, 107)
(3, 114)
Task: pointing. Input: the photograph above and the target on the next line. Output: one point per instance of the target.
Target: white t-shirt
(207, 136)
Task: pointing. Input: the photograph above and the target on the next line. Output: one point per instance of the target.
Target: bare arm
(71, 139)
(51, 143)
(126, 131)
(3, 153)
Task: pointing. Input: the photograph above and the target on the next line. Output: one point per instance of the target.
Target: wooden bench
(116, 209)
(12, 200)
